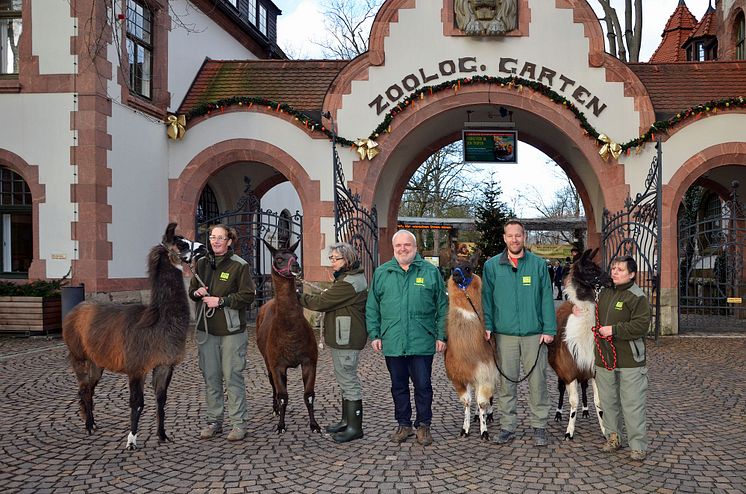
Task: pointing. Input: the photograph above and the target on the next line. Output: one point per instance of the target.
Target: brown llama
(284, 336)
(571, 354)
(134, 339)
(469, 357)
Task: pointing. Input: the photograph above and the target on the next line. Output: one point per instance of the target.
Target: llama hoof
(490, 418)
(568, 436)
(165, 439)
(585, 414)
(464, 432)
(485, 436)
(558, 417)
(315, 428)
(131, 441)
(281, 429)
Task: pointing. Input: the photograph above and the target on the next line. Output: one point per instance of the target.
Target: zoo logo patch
(526, 281)
(619, 306)
(224, 276)
(419, 281)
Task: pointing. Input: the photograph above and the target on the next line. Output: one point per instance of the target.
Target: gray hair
(406, 232)
(346, 251)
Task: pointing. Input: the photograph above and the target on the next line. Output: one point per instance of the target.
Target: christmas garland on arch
(513, 82)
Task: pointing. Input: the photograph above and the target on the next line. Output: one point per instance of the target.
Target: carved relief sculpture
(486, 17)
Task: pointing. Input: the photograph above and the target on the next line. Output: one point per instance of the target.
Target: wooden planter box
(39, 315)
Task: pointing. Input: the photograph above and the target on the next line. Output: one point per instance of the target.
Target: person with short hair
(343, 305)
(406, 315)
(519, 311)
(621, 368)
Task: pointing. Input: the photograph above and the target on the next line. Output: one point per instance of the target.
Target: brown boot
(401, 434)
(423, 435)
(612, 443)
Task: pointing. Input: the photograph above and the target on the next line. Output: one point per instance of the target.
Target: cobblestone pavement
(696, 418)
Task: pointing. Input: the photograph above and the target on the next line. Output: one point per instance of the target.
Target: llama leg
(275, 402)
(88, 375)
(490, 410)
(136, 405)
(309, 381)
(561, 388)
(484, 394)
(584, 397)
(572, 397)
(599, 410)
(464, 396)
(281, 386)
(161, 379)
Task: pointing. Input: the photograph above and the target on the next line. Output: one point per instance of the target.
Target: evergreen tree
(490, 215)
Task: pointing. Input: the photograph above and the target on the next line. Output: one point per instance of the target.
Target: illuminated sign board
(490, 146)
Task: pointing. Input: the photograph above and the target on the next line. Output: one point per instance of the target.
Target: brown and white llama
(469, 357)
(571, 354)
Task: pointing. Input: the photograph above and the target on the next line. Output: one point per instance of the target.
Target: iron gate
(635, 231)
(252, 224)
(711, 250)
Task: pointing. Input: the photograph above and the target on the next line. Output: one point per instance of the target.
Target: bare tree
(565, 203)
(624, 45)
(347, 27)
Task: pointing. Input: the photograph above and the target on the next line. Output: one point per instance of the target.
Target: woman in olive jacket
(621, 371)
(344, 333)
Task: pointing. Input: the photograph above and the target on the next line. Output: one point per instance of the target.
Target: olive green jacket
(625, 308)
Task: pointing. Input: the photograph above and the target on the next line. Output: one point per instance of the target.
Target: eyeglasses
(217, 237)
(332, 258)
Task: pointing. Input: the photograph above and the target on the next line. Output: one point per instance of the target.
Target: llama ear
(474, 259)
(168, 237)
(294, 246)
(272, 250)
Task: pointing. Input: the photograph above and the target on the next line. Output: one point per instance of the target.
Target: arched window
(207, 209)
(283, 229)
(740, 37)
(16, 229)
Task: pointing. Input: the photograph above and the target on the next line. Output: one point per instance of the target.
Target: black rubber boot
(354, 430)
(342, 424)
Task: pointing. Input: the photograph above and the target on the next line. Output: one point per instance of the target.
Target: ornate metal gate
(711, 258)
(635, 231)
(354, 223)
(252, 223)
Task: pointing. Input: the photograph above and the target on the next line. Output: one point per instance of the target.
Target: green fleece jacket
(625, 308)
(407, 310)
(343, 305)
(518, 302)
(231, 279)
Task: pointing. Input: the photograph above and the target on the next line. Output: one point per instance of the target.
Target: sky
(302, 21)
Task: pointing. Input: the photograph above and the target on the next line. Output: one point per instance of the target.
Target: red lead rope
(597, 336)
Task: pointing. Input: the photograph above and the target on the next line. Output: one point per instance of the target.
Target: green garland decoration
(454, 85)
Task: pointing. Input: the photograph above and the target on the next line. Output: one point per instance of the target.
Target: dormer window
(10, 33)
(263, 19)
(252, 12)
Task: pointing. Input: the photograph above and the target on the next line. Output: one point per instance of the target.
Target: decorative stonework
(486, 17)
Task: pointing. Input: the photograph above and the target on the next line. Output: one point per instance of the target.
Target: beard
(515, 252)
(405, 259)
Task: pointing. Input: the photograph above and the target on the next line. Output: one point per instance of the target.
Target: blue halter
(466, 281)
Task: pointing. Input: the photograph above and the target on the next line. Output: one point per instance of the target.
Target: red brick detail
(726, 33)
(449, 21)
(30, 175)
(690, 172)
(185, 191)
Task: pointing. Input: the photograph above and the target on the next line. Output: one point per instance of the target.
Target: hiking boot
(401, 434)
(637, 455)
(212, 429)
(540, 437)
(504, 436)
(236, 434)
(612, 443)
(423, 435)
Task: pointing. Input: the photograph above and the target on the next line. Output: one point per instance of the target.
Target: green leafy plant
(38, 288)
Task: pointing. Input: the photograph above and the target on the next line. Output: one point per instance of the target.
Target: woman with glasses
(344, 333)
(221, 330)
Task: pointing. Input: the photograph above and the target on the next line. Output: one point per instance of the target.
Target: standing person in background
(406, 315)
(343, 305)
(518, 309)
(624, 313)
(221, 330)
(559, 273)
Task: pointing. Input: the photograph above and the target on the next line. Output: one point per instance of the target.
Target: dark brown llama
(284, 336)
(469, 357)
(571, 353)
(134, 339)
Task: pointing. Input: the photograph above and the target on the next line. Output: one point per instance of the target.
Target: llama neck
(285, 296)
(168, 294)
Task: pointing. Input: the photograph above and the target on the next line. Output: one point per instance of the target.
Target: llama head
(585, 277)
(186, 250)
(284, 261)
(462, 269)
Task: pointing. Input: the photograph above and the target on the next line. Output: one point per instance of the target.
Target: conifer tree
(490, 215)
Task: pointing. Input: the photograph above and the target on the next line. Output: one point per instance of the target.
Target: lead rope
(597, 336)
(204, 311)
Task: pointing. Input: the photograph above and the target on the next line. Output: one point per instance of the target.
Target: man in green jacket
(519, 309)
(406, 316)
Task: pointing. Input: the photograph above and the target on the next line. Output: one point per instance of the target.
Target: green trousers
(345, 370)
(223, 358)
(623, 394)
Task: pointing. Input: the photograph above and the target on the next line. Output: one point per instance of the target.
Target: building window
(252, 12)
(283, 229)
(263, 20)
(234, 3)
(701, 52)
(10, 33)
(140, 48)
(740, 37)
(16, 232)
(207, 209)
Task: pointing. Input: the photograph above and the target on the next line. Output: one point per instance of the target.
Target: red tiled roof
(707, 27)
(674, 87)
(678, 28)
(301, 84)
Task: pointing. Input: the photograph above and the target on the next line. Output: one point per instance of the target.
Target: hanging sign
(490, 146)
